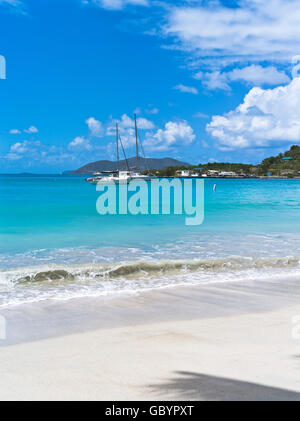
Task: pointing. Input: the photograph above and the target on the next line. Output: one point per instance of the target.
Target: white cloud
(145, 124)
(253, 74)
(95, 127)
(265, 117)
(80, 143)
(186, 89)
(174, 134)
(21, 147)
(256, 28)
(31, 153)
(99, 129)
(115, 4)
(218, 37)
(213, 80)
(142, 123)
(31, 130)
(258, 75)
(26, 148)
(127, 128)
(126, 123)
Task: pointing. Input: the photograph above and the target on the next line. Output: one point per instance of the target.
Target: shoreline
(82, 175)
(223, 341)
(112, 280)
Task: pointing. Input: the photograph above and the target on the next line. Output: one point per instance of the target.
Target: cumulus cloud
(126, 122)
(186, 89)
(115, 4)
(266, 117)
(127, 128)
(101, 129)
(26, 148)
(80, 143)
(259, 75)
(253, 75)
(22, 147)
(31, 130)
(95, 127)
(173, 135)
(142, 123)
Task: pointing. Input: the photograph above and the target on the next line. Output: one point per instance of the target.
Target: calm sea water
(54, 244)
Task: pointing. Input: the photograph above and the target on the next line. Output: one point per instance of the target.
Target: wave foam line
(134, 270)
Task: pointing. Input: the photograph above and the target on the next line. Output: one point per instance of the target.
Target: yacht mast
(143, 151)
(127, 165)
(136, 142)
(117, 134)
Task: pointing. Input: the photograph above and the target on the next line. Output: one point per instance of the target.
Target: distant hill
(285, 164)
(144, 164)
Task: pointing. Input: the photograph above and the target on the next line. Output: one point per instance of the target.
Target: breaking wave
(65, 281)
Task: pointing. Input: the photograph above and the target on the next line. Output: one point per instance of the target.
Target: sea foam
(30, 284)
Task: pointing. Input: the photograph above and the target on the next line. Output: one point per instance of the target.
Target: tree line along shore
(284, 165)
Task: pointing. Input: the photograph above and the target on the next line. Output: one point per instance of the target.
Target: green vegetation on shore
(285, 164)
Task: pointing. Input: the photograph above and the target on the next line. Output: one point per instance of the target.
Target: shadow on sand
(194, 386)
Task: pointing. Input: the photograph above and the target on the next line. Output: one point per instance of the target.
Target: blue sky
(209, 80)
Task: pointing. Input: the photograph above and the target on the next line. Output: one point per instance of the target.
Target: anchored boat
(123, 176)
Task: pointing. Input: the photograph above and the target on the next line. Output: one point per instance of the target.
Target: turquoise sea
(54, 244)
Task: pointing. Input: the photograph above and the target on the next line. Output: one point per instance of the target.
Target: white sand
(212, 356)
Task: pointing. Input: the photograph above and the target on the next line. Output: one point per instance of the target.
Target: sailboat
(136, 174)
(123, 176)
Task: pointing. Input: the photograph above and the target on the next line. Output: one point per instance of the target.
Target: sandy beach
(227, 341)
(150, 202)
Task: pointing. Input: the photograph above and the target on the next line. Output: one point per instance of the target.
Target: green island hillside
(285, 164)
